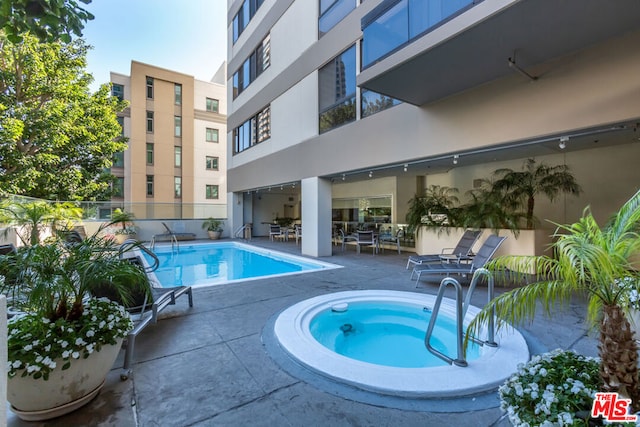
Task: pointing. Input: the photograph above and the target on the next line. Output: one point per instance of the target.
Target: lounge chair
(485, 253)
(145, 308)
(366, 238)
(462, 251)
(7, 249)
(173, 236)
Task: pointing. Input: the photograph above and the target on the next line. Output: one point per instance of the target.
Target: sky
(188, 36)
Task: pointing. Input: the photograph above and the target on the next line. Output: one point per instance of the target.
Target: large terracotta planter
(64, 391)
(214, 235)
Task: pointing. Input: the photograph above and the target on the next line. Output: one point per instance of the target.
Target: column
(316, 217)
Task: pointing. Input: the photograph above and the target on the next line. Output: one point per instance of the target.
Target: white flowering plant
(36, 345)
(551, 389)
(56, 288)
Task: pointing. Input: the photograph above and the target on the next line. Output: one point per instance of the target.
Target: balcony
(412, 54)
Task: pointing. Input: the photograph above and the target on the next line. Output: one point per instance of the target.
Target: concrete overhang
(493, 39)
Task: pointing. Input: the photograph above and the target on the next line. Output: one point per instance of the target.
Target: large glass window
(177, 187)
(211, 191)
(332, 12)
(149, 121)
(177, 126)
(258, 61)
(337, 90)
(177, 89)
(373, 102)
(244, 15)
(177, 156)
(254, 131)
(149, 153)
(149, 87)
(211, 163)
(212, 135)
(386, 28)
(117, 91)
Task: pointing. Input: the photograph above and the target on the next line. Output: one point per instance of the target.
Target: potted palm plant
(127, 229)
(64, 340)
(590, 260)
(213, 227)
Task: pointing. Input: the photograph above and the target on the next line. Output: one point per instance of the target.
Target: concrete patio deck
(210, 365)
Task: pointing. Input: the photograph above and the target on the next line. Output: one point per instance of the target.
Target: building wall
(595, 86)
(194, 148)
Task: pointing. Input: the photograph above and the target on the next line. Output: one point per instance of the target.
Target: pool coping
(291, 331)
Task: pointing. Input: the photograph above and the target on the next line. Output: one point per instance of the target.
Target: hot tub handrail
(461, 312)
(460, 360)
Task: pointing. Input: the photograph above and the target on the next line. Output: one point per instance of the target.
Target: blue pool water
(389, 334)
(218, 263)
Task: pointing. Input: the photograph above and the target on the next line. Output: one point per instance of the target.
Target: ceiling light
(455, 159)
(406, 166)
(344, 177)
(563, 142)
(370, 174)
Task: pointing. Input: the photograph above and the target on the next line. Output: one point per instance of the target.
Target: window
(258, 61)
(118, 160)
(212, 105)
(149, 87)
(212, 163)
(149, 121)
(337, 90)
(177, 187)
(118, 188)
(117, 91)
(177, 156)
(212, 135)
(244, 15)
(177, 89)
(373, 102)
(211, 191)
(149, 153)
(332, 12)
(121, 123)
(150, 185)
(177, 126)
(254, 131)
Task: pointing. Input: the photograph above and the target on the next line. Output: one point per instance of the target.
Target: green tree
(588, 260)
(525, 185)
(49, 20)
(56, 138)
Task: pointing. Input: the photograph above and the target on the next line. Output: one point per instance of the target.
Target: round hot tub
(374, 340)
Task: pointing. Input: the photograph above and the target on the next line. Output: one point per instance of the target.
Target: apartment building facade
(175, 166)
(337, 107)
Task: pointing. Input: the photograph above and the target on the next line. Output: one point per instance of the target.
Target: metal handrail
(239, 231)
(461, 311)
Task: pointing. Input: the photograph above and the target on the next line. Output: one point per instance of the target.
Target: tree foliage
(522, 187)
(56, 138)
(48, 20)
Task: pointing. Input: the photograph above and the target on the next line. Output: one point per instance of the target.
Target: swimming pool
(292, 330)
(206, 264)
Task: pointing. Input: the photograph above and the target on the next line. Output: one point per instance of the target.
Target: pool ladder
(461, 311)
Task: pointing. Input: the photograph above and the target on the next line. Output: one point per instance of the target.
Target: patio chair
(342, 238)
(392, 238)
(275, 232)
(298, 232)
(485, 253)
(462, 251)
(366, 238)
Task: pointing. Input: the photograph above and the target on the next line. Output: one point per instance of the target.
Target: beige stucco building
(175, 166)
(366, 103)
